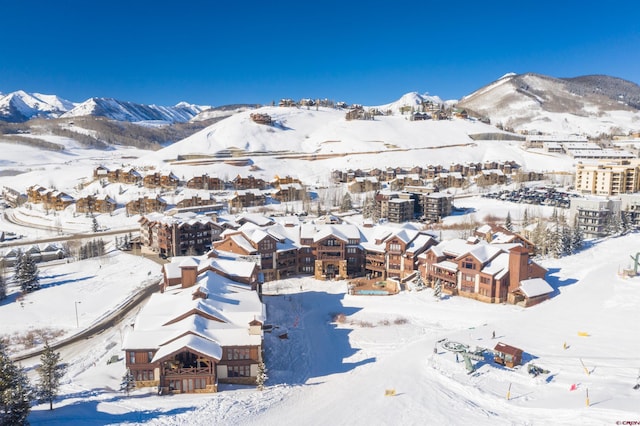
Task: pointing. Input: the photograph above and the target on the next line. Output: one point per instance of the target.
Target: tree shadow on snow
(556, 282)
(58, 283)
(87, 412)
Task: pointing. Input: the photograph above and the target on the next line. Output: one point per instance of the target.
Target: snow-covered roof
(535, 287)
(448, 265)
(498, 266)
(196, 343)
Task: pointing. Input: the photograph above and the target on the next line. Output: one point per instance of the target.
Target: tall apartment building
(594, 215)
(608, 177)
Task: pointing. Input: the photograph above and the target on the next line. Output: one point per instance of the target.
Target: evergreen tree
(27, 273)
(555, 243)
(128, 382)
(525, 218)
(577, 237)
(262, 376)
(16, 393)
(507, 224)
(3, 286)
(437, 288)
(94, 224)
(346, 203)
(614, 224)
(566, 241)
(51, 371)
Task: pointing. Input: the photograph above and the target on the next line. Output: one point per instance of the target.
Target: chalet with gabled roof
(206, 182)
(203, 329)
(102, 203)
(475, 269)
(146, 205)
(159, 180)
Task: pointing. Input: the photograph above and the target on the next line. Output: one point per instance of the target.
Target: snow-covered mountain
(129, 111)
(589, 105)
(411, 99)
(20, 106)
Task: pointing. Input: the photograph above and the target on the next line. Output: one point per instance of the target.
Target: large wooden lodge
(203, 327)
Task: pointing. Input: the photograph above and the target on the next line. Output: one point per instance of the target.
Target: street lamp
(77, 322)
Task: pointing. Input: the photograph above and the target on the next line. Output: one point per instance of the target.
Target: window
(239, 370)
(238, 353)
(149, 356)
(132, 357)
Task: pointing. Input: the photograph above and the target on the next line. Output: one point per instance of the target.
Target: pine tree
(262, 376)
(566, 243)
(577, 237)
(525, 218)
(94, 224)
(346, 203)
(437, 288)
(51, 371)
(27, 273)
(3, 286)
(16, 393)
(128, 382)
(507, 224)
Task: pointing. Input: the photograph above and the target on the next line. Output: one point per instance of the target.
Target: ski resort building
(203, 328)
(476, 269)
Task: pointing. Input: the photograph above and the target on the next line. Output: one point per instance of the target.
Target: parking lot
(545, 196)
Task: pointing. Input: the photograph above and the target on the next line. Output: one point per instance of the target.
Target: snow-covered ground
(332, 371)
(339, 372)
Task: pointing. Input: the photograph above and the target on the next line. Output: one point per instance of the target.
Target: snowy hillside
(532, 102)
(308, 143)
(21, 106)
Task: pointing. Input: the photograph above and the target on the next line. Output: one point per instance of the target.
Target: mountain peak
(535, 102)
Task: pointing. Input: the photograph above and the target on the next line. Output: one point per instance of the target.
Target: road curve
(103, 323)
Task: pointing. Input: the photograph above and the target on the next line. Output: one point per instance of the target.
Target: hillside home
(146, 205)
(158, 180)
(249, 182)
(247, 198)
(49, 198)
(491, 177)
(96, 204)
(129, 176)
(206, 182)
(287, 189)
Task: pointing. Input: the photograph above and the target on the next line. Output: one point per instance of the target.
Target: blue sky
(222, 52)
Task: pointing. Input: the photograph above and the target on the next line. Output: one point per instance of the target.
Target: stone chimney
(518, 266)
(189, 270)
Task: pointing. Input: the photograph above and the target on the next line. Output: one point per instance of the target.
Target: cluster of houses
(457, 175)
(194, 194)
(44, 253)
